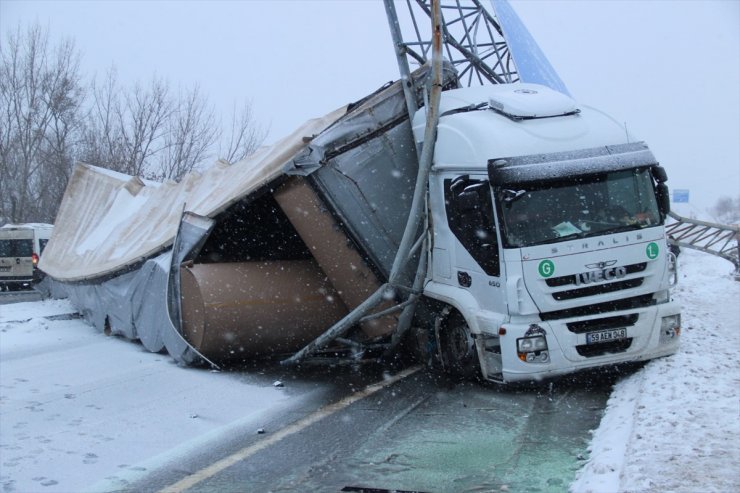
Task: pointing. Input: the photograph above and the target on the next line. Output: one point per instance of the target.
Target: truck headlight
(673, 268)
(670, 327)
(533, 349)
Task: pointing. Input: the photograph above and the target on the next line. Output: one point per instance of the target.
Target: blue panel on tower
(532, 65)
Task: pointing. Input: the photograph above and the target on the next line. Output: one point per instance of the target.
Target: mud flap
(192, 234)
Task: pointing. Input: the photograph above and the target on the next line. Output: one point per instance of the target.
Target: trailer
(286, 242)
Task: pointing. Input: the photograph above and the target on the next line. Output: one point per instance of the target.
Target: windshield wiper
(465, 109)
(558, 239)
(588, 234)
(509, 196)
(616, 229)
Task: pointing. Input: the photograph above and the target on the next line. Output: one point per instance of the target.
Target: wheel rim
(459, 343)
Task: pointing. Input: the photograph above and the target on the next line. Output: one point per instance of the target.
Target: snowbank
(673, 426)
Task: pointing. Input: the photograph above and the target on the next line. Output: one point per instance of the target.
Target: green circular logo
(652, 250)
(546, 268)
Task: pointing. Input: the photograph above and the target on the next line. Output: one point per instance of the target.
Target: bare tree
(726, 210)
(103, 143)
(148, 132)
(48, 122)
(40, 97)
(144, 123)
(190, 135)
(125, 129)
(244, 136)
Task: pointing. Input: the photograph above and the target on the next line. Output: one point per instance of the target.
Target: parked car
(21, 246)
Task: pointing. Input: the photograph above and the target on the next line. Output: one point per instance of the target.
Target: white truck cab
(548, 252)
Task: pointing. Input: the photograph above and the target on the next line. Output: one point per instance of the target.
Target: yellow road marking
(328, 410)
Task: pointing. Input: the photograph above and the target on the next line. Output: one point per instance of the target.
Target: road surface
(82, 411)
(18, 296)
(424, 434)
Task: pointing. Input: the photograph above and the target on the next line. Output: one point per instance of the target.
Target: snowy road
(80, 411)
(427, 435)
(17, 296)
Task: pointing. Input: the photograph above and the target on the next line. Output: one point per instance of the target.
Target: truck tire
(457, 347)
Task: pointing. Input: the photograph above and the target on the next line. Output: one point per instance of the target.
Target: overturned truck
(543, 250)
(252, 259)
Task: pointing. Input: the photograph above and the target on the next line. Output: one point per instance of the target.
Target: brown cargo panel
(343, 264)
(230, 310)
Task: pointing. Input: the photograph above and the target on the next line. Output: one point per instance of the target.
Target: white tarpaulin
(109, 221)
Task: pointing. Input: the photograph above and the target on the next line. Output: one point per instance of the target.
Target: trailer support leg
(404, 321)
(341, 327)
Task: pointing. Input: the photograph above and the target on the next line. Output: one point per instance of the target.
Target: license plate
(605, 336)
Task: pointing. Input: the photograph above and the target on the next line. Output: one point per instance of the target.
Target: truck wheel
(457, 347)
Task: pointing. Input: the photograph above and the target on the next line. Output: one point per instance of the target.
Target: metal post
(339, 328)
(418, 206)
(722, 240)
(409, 91)
(404, 321)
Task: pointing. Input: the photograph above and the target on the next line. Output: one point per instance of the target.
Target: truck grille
(603, 323)
(598, 289)
(566, 280)
(609, 306)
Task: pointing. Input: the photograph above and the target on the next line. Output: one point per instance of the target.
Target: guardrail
(722, 240)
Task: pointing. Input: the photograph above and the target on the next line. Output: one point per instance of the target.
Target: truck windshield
(585, 206)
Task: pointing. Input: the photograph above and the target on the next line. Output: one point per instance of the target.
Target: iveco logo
(605, 274)
(601, 265)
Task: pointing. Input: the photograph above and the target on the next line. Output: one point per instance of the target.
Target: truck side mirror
(664, 199)
(659, 174)
(459, 184)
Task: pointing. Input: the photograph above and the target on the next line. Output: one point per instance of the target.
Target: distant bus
(21, 246)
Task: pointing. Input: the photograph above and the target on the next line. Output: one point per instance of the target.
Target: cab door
(477, 265)
(477, 259)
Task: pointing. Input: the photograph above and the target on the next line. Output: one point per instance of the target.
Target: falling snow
(671, 426)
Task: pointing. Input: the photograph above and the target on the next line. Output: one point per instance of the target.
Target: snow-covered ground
(673, 426)
(80, 411)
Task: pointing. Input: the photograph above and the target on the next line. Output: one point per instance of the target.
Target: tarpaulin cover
(108, 221)
(118, 252)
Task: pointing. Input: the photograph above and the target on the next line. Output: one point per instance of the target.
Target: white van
(21, 246)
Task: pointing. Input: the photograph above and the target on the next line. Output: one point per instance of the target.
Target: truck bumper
(655, 334)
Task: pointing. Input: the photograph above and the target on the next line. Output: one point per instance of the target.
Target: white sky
(669, 69)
